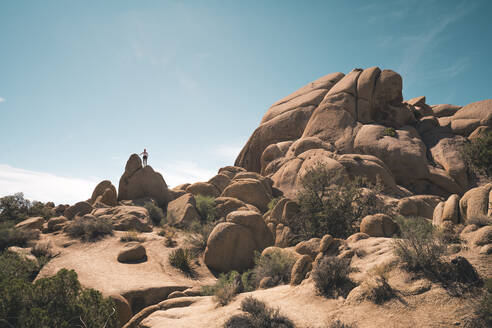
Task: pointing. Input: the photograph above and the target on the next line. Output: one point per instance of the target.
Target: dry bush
(183, 260)
(197, 239)
(155, 213)
(258, 315)
(277, 265)
(132, 235)
(89, 228)
(42, 249)
(331, 277)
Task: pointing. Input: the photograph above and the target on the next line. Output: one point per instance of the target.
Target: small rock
(132, 253)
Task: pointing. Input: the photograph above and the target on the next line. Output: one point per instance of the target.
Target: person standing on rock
(145, 155)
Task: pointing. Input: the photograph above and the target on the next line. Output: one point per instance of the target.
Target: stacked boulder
(358, 125)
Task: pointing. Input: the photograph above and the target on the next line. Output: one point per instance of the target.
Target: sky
(84, 84)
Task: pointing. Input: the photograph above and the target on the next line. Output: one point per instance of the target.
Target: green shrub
(155, 213)
(58, 301)
(478, 154)
(273, 202)
(197, 239)
(258, 315)
(205, 206)
(331, 277)
(10, 236)
(14, 208)
(328, 208)
(183, 260)
(225, 288)
(419, 250)
(89, 228)
(277, 265)
(389, 132)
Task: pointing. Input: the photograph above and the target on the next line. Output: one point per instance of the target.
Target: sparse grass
(389, 132)
(258, 315)
(183, 260)
(155, 213)
(205, 206)
(331, 277)
(277, 265)
(228, 285)
(168, 233)
(340, 324)
(132, 235)
(197, 239)
(89, 229)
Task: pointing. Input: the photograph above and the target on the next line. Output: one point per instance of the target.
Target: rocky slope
(357, 125)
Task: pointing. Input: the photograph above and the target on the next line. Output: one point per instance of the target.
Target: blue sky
(83, 84)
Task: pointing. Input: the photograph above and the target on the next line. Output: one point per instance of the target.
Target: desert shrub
(10, 236)
(480, 220)
(205, 206)
(390, 132)
(478, 154)
(197, 239)
(419, 250)
(42, 249)
(226, 287)
(277, 265)
(168, 233)
(340, 324)
(272, 203)
(328, 208)
(482, 309)
(58, 301)
(89, 228)
(14, 208)
(182, 258)
(258, 315)
(155, 213)
(132, 235)
(331, 277)
(40, 209)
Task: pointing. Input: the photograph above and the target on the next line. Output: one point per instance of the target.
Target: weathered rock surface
(107, 193)
(476, 202)
(141, 182)
(182, 211)
(80, 209)
(31, 223)
(125, 217)
(132, 252)
(378, 225)
(204, 189)
(231, 244)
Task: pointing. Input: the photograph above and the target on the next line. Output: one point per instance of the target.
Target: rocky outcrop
(31, 223)
(141, 182)
(133, 252)
(231, 245)
(182, 210)
(125, 217)
(204, 189)
(378, 225)
(476, 202)
(79, 209)
(104, 193)
(361, 122)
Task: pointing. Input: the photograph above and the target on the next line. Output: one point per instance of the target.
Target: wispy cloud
(2, 99)
(421, 43)
(44, 186)
(449, 72)
(178, 172)
(228, 153)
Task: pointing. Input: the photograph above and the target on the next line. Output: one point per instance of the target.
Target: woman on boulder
(145, 155)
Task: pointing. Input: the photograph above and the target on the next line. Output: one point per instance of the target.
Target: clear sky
(84, 84)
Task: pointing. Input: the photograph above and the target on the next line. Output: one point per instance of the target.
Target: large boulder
(220, 182)
(107, 197)
(448, 211)
(418, 206)
(469, 118)
(404, 153)
(182, 210)
(126, 217)
(476, 202)
(31, 223)
(203, 188)
(80, 209)
(378, 225)
(250, 191)
(231, 245)
(132, 252)
(141, 182)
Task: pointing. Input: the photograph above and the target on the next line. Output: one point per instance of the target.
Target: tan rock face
(31, 223)
(125, 217)
(182, 211)
(418, 206)
(80, 209)
(203, 188)
(141, 182)
(476, 202)
(132, 253)
(250, 191)
(470, 117)
(231, 244)
(378, 225)
(107, 197)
